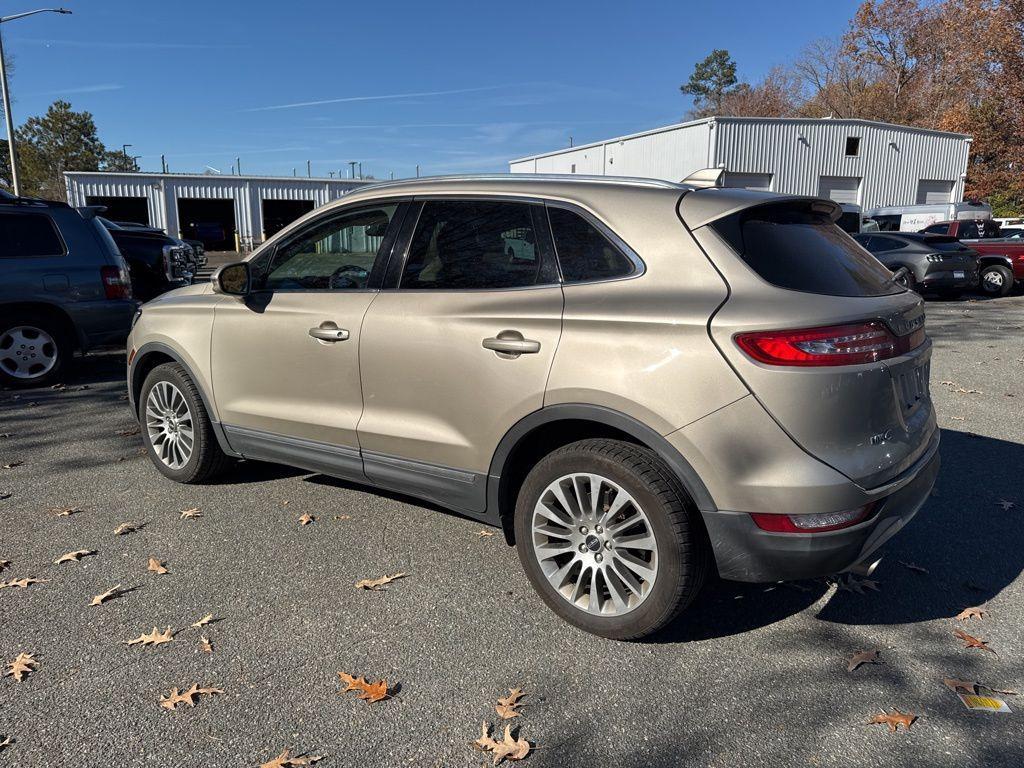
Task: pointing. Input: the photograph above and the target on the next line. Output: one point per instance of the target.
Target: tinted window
(27, 235)
(968, 230)
(332, 254)
(937, 229)
(468, 244)
(939, 243)
(797, 248)
(887, 244)
(583, 252)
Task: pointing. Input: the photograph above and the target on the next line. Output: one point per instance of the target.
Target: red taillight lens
(813, 523)
(830, 345)
(116, 283)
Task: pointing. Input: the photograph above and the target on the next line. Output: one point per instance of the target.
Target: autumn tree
(711, 81)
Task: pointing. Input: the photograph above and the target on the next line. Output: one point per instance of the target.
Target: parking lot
(751, 675)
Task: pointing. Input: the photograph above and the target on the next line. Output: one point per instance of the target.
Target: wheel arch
(988, 259)
(53, 311)
(556, 425)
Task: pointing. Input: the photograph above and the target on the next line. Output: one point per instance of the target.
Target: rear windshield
(940, 243)
(801, 249)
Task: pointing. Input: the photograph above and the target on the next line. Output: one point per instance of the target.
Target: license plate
(913, 385)
(959, 274)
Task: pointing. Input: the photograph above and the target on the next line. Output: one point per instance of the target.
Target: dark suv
(157, 263)
(932, 263)
(63, 287)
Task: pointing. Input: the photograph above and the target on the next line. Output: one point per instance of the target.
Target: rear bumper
(744, 552)
(102, 323)
(946, 279)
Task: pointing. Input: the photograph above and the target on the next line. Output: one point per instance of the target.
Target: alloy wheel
(27, 352)
(594, 544)
(169, 424)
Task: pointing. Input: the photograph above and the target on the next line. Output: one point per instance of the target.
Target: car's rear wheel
(33, 351)
(996, 280)
(609, 539)
(176, 427)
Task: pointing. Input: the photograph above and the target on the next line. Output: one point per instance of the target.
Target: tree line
(61, 140)
(951, 65)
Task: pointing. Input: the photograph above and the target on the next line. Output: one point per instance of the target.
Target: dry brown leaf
(863, 657)
(507, 749)
(110, 594)
(306, 519)
(894, 720)
(5, 495)
(153, 638)
(1006, 505)
(12, 464)
(22, 583)
(74, 557)
(128, 432)
(4, 565)
(191, 514)
(205, 644)
(368, 692)
(957, 685)
(853, 584)
(974, 612)
(124, 528)
(25, 664)
(66, 511)
(972, 642)
(508, 706)
(157, 566)
(377, 585)
(173, 698)
(286, 759)
(343, 517)
(484, 533)
(5, 742)
(203, 621)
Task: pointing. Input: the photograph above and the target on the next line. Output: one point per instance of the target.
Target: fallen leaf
(22, 583)
(508, 706)
(4, 565)
(971, 613)
(853, 584)
(25, 664)
(66, 511)
(205, 644)
(191, 514)
(124, 528)
(377, 585)
(286, 759)
(972, 642)
(863, 657)
(368, 692)
(74, 557)
(1006, 505)
(5, 495)
(957, 685)
(912, 567)
(12, 464)
(894, 720)
(5, 742)
(306, 519)
(128, 432)
(203, 621)
(173, 698)
(957, 418)
(110, 594)
(156, 566)
(482, 534)
(506, 749)
(153, 638)
(343, 517)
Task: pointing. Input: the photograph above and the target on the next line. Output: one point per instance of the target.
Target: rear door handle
(328, 334)
(511, 344)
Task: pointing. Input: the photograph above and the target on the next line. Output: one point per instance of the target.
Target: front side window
(333, 254)
(584, 253)
(473, 245)
(29, 235)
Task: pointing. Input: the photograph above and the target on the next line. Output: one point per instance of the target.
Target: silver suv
(636, 380)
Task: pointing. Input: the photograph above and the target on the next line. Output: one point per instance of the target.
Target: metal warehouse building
(850, 161)
(225, 212)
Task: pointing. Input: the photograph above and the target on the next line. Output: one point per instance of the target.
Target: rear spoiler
(705, 178)
(90, 212)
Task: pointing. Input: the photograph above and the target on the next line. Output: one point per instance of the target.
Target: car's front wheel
(176, 427)
(609, 539)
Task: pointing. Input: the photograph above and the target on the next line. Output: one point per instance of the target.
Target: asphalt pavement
(752, 675)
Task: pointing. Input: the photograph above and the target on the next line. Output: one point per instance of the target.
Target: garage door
(842, 189)
(761, 181)
(931, 192)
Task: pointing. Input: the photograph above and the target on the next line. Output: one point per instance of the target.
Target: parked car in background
(672, 378)
(157, 263)
(198, 260)
(1001, 259)
(914, 218)
(64, 287)
(931, 263)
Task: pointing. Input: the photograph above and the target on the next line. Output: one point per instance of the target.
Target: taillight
(116, 282)
(813, 523)
(830, 345)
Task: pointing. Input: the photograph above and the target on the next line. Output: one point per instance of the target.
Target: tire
(996, 280)
(34, 350)
(659, 508)
(168, 403)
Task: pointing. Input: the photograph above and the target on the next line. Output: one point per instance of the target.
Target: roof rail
(705, 178)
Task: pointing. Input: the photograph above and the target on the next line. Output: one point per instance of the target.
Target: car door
(285, 360)
(458, 346)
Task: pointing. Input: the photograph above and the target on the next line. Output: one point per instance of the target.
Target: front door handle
(511, 344)
(327, 333)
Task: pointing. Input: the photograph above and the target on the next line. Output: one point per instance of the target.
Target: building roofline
(719, 119)
(208, 176)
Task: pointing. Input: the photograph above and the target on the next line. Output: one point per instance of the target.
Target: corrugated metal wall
(162, 191)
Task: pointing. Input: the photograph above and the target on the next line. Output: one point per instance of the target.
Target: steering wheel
(348, 276)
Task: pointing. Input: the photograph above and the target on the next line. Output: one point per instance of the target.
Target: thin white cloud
(130, 45)
(381, 97)
(98, 88)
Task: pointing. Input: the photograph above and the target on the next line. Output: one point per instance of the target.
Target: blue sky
(452, 86)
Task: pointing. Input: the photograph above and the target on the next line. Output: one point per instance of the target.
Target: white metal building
(849, 161)
(225, 212)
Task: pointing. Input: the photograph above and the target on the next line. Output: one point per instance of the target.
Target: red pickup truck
(1002, 259)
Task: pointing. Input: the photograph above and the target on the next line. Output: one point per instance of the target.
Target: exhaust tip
(864, 569)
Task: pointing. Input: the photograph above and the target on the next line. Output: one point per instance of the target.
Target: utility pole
(417, 170)
(163, 163)
(124, 151)
(360, 169)
(391, 175)
(7, 95)
(309, 169)
(351, 169)
(331, 174)
(238, 165)
(570, 141)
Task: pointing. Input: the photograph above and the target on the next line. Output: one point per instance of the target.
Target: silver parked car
(636, 380)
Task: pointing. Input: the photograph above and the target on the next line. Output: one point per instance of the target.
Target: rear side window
(29, 235)
(800, 249)
(937, 229)
(583, 252)
(945, 244)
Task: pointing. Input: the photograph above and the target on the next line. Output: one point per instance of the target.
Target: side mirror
(233, 279)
